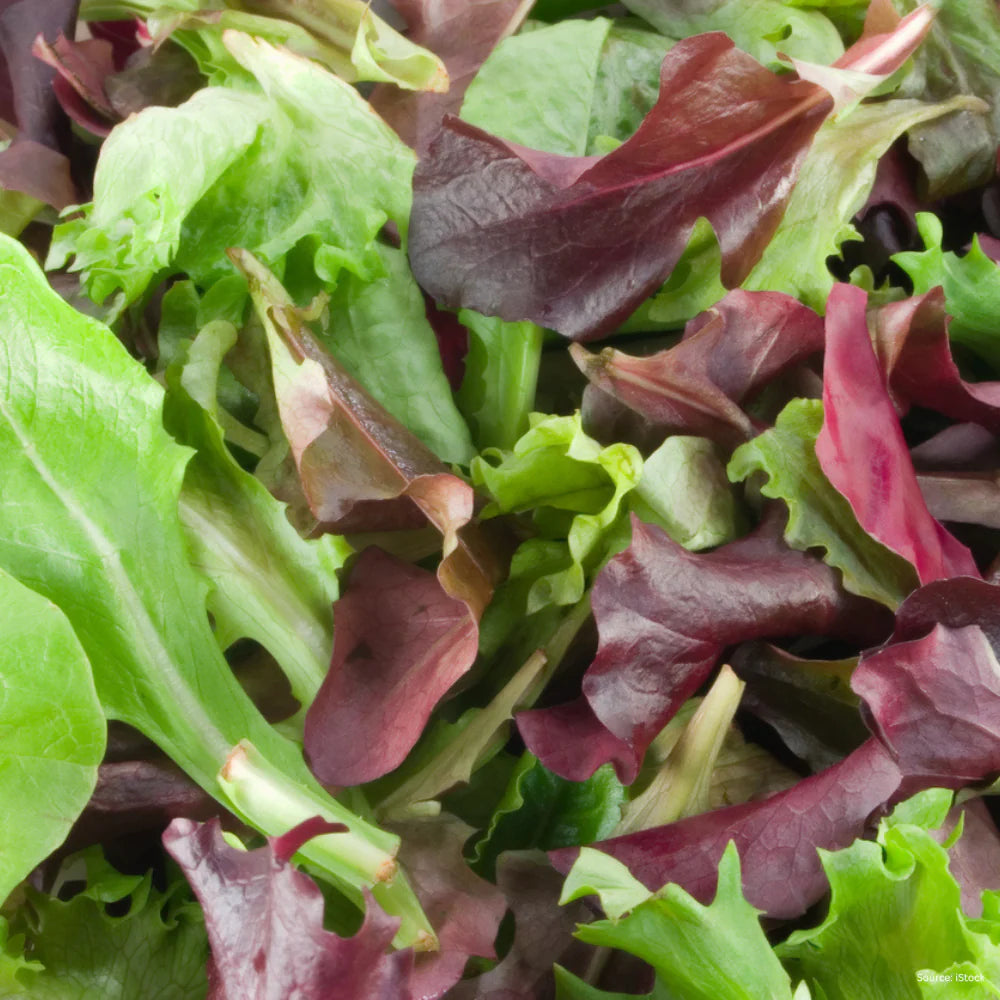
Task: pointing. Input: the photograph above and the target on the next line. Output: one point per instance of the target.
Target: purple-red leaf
(462, 33)
(399, 645)
(576, 243)
(911, 338)
(464, 909)
(777, 837)
(728, 353)
(862, 451)
(83, 68)
(935, 703)
(265, 924)
(664, 616)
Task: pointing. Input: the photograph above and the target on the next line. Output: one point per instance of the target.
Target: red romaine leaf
(265, 923)
(462, 33)
(974, 859)
(664, 616)
(862, 451)
(399, 645)
(911, 338)
(777, 838)
(464, 909)
(576, 243)
(956, 603)
(935, 703)
(727, 354)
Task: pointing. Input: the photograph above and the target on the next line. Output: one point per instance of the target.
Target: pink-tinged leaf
(777, 838)
(911, 339)
(400, 643)
(265, 924)
(664, 616)
(83, 68)
(728, 353)
(462, 33)
(39, 171)
(862, 451)
(935, 703)
(576, 243)
(464, 909)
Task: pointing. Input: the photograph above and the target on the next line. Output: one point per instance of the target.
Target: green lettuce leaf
(818, 516)
(832, 186)
(306, 160)
(268, 584)
(575, 489)
(971, 286)
(102, 539)
(157, 948)
(52, 731)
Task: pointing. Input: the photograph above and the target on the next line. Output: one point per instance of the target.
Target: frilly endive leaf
(52, 730)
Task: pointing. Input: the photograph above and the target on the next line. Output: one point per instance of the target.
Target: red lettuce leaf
(464, 909)
(400, 643)
(862, 451)
(462, 33)
(975, 859)
(576, 243)
(956, 603)
(664, 617)
(265, 923)
(777, 837)
(935, 703)
(82, 69)
(728, 353)
(911, 338)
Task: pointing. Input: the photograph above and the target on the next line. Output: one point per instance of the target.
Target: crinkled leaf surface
(167, 180)
(52, 730)
(486, 208)
(699, 952)
(818, 516)
(265, 923)
(862, 451)
(79, 949)
(728, 353)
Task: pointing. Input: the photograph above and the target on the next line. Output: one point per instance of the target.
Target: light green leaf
(818, 516)
(833, 183)
(595, 873)
(102, 539)
(158, 948)
(684, 489)
(714, 952)
(378, 331)
(971, 286)
(52, 731)
(268, 584)
(306, 161)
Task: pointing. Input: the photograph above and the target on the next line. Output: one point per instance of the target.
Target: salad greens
(460, 459)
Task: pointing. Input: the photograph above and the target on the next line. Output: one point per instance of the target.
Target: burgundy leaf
(576, 243)
(400, 643)
(728, 353)
(543, 932)
(664, 616)
(969, 497)
(911, 339)
(464, 909)
(265, 924)
(83, 68)
(935, 703)
(975, 859)
(39, 171)
(956, 603)
(777, 837)
(462, 33)
(862, 451)
(123, 37)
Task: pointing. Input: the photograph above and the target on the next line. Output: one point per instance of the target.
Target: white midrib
(147, 637)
